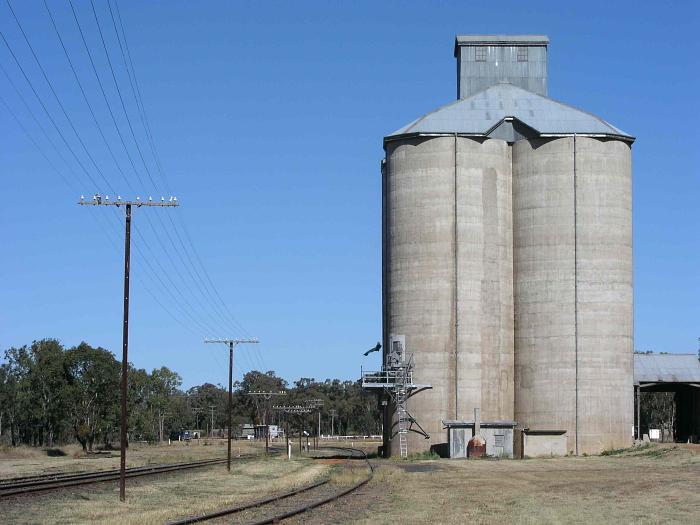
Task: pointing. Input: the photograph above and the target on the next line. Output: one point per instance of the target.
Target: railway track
(47, 482)
(286, 505)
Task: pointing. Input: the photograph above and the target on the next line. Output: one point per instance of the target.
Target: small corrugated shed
(666, 368)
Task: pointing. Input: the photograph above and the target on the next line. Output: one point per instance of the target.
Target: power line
(121, 99)
(167, 232)
(175, 256)
(48, 114)
(145, 121)
(76, 132)
(85, 97)
(53, 91)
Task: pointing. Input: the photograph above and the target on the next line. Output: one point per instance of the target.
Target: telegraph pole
(317, 404)
(267, 396)
(232, 343)
(293, 409)
(211, 425)
(196, 411)
(97, 200)
(333, 414)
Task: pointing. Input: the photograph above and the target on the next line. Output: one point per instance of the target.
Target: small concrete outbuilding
(497, 434)
(531, 443)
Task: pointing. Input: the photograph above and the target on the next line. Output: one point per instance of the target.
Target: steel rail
(58, 477)
(54, 478)
(288, 514)
(97, 477)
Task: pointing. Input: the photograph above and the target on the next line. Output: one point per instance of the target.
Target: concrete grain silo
(507, 257)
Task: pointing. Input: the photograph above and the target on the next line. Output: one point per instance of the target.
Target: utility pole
(211, 424)
(266, 396)
(196, 411)
(294, 409)
(333, 414)
(161, 423)
(232, 343)
(317, 404)
(97, 200)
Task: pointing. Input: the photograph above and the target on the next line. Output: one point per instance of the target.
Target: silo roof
(483, 112)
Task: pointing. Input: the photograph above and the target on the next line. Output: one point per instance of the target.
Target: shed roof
(483, 112)
(666, 368)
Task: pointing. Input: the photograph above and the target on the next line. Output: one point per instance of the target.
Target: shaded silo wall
(448, 221)
(573, 289)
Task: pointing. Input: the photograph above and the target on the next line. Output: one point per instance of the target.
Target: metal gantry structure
(317, 404)
(293, 409)
(267, 396)
(98, 200)
(231, 343)
(395, 379)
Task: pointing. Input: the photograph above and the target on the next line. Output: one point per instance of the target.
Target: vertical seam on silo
(386, 302)
(456, 284)
(575, 299)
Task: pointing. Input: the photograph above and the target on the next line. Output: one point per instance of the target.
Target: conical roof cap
(483, 112)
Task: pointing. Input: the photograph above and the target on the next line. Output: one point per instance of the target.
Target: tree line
(51, 395)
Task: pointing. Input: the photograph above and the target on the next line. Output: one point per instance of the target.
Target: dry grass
(157, 500)
(25, 461)
(651, 485)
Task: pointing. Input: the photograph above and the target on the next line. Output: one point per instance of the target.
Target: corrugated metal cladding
(666, 368)
(507, 260)
(485, 61)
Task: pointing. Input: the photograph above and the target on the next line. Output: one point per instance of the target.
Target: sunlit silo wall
(507, 256)
(572, 259)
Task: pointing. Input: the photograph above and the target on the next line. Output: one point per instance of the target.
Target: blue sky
(268, 118)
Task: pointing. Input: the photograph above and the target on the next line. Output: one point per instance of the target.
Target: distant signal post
(232, 343)
(98, 200)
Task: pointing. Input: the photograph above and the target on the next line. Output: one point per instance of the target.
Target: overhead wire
(171, 257)
(109, 233)
(145, 165)
(136, 91)
(58, 130)
(53, 91)
(219, 306)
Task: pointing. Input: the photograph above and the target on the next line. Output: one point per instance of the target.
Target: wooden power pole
(232, 343)
(98, 200)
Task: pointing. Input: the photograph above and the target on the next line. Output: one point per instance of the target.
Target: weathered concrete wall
(484, 280)
(604, 289)
(420, 263)
(573, 289)
(511, 279)
(543, 262)
(448, 274)
(540, 445)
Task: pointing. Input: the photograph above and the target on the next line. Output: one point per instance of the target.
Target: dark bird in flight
(375, 349)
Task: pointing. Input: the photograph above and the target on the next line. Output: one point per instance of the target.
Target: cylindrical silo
(572, 259)
(448, 275)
